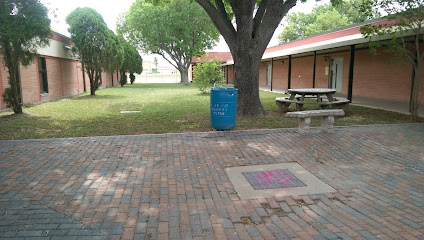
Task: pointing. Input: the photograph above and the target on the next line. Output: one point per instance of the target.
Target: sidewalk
(394, 106)
(176, 186)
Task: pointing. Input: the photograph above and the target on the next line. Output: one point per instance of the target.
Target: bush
(8, 99)
(132, 78)
(123, 80)
(206, 74)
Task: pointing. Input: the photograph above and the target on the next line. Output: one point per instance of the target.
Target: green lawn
(164, 108)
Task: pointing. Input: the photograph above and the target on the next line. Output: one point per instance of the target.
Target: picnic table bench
(324, 98)
(283, 103)
(326, 115)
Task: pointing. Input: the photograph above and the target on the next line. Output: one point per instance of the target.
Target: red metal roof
(221, 56)
(333, 34)
(338, 37)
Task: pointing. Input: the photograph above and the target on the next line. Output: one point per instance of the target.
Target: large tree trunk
(184, 75)
(415, 92)
(255, 25)
(246, 65)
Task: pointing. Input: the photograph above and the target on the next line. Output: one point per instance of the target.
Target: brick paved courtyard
(175, 186)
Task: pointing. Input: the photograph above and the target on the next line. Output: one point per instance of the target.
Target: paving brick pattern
(173, 186)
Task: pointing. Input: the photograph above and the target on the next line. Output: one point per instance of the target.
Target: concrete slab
(245, 191)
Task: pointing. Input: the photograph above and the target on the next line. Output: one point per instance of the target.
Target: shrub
(132, 78)
(8, 98)
(206, 74)
(123, 80)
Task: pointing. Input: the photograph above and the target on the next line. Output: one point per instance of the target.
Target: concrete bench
(326, 115)
(283, 103)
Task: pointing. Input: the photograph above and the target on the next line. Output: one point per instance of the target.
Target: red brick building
(337, 59)
(54, 74)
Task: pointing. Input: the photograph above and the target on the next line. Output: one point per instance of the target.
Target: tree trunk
(246, 65)
(184, 75)
(415, 92)
(13, 81)
(112, 77)
(91, 76)
(12, 67)
(83, 77)
(92, 88)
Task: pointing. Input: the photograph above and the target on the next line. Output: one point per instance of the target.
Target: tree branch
(163, 55)
(259, 14)
(274, 13)
(222, 23)
(221, 8)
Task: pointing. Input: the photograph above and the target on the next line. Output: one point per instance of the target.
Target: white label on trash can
(219, 109)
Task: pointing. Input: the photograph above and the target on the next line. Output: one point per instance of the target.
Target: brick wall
(279, 75)
(229, 71)
(69, 77)
(301, 73)
(54, 79)
(374, 75)
(262, 73)
(30, 86)
(64, 77)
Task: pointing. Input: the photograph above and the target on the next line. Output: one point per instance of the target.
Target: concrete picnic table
(284, 102)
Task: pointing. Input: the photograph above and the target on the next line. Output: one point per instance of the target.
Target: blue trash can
(223, 108)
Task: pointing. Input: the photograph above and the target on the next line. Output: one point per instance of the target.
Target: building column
(272, 71)
(315, 64)
(226, 75)
(234, 74)
(350, 79)
(3, 104)
(289, 74)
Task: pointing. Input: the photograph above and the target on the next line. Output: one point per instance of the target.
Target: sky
(110, 11)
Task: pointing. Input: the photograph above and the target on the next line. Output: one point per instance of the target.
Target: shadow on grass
(90, 97)
(15, 126)
(172, 86)
(13, 116)
(203, 94)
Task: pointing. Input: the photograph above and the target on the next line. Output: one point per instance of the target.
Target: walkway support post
(272, 71)
(350, 79)
(226, 75)
(315, 64)
(289, 74)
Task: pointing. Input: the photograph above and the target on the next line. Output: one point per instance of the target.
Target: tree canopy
(177, 31)
(94, 42)
(114, 54)
(133, 63)
(24, 27)
(324, 18)
(405, 31)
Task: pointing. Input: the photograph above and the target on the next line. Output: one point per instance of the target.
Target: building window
(268, 75)
(42, 73)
